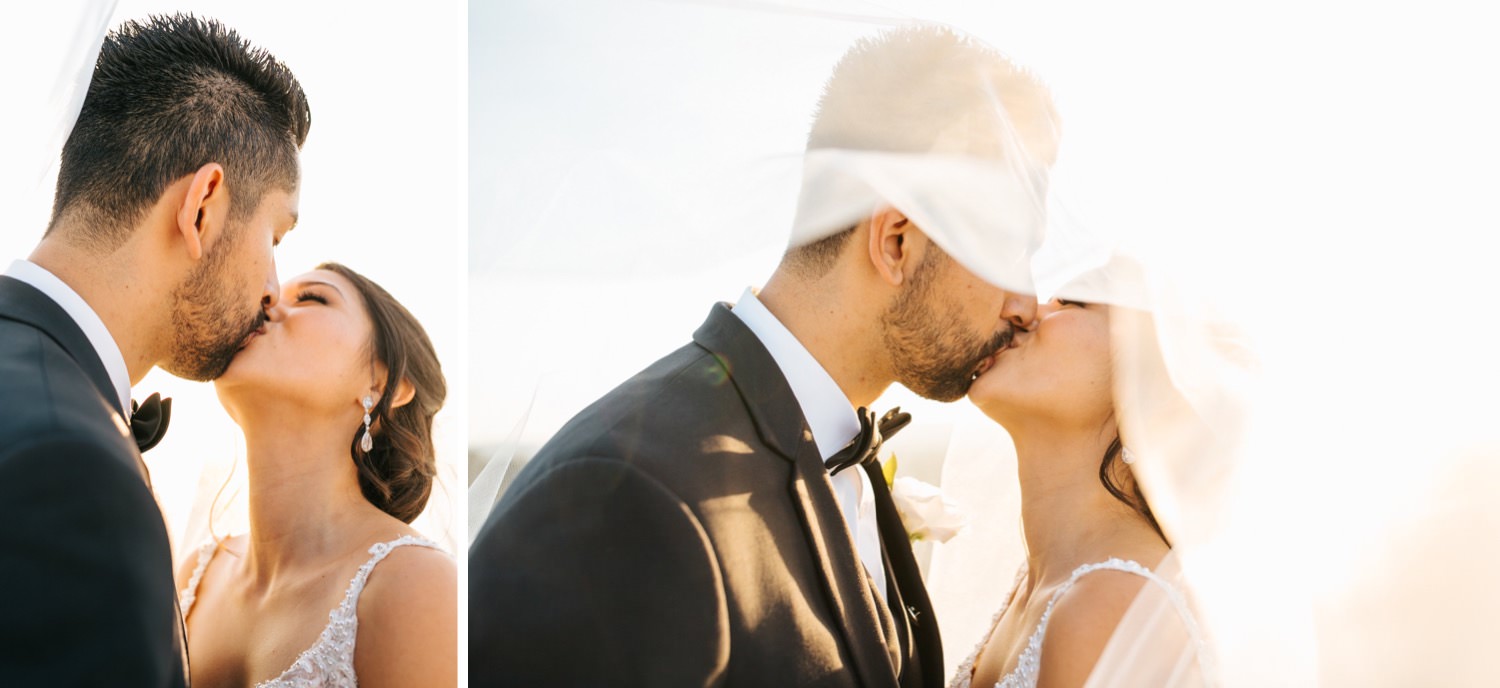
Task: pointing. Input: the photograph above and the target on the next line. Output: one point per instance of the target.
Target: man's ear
(204, 211)
(889, 245)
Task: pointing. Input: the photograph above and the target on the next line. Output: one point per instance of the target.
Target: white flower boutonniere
(926, 512)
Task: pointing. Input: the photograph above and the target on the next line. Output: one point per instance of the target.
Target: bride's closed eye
(311, 296)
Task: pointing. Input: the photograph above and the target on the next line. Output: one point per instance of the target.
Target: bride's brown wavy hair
(1121, 484)
(396, 474)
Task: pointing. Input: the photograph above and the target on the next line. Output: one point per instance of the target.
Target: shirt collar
(86, 319)
(828, 412)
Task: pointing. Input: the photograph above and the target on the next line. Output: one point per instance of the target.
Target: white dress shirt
(832, 420)
(86, 319)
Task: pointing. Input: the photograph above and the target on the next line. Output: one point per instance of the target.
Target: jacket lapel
(780, 425)
(25, 304)
(22, 302)
(907, 597)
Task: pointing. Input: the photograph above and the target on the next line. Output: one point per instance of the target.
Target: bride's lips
(251, 337)
(990, 360)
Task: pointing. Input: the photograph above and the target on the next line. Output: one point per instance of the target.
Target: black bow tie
(864, 447)
(148, 421)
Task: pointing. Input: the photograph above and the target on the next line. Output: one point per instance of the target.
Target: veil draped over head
(1285, 204)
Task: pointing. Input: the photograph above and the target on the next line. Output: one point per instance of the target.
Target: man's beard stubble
(208, 326)
(933, 354)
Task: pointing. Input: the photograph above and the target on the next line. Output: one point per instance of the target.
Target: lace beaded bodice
(1030, 662)
(329, 663)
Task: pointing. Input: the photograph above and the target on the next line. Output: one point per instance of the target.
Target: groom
(178, 177)
(685, 529)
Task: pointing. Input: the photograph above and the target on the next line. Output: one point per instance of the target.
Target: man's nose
(272, 294)
(273, 310)
(270, 301)
(1019, 310)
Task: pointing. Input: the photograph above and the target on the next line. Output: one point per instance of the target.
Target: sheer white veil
(1287, 205)
(49, 51)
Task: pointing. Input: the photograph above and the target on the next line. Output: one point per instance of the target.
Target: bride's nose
(1047, 308)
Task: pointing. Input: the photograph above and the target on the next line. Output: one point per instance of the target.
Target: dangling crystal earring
(1125, 455)
(366, 443)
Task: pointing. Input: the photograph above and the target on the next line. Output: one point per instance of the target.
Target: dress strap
(330, 660)
(378, 552)
(1179, 603)
(1110, 564)
(189, 594)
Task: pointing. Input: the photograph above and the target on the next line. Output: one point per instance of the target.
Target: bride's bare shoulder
(1083, 619)
(407, 569)
(408, 620)
(413, 564)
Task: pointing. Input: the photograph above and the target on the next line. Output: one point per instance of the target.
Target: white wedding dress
(329, 663)
(1029, 665)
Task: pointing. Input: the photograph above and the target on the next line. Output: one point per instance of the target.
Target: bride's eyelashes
(1066, 302)
(311, 296)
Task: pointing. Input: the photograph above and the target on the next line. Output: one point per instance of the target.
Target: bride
(1091, 540)
(335, 394)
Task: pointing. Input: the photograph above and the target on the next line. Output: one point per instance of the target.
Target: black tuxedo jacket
(85, 561)
(682, 531)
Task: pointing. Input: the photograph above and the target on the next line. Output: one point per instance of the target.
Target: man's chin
(945, 390)
(949, 395)
(201, 368)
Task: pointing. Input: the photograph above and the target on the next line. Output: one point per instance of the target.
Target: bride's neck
(1068, 517)
(304, 495)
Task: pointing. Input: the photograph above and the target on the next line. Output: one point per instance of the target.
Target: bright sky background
(383, 180)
